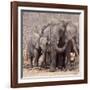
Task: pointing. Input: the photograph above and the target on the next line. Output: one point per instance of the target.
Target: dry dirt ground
(28, 72)
(45, 72)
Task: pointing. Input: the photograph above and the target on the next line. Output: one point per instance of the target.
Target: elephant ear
(71, 30)
(35, 39)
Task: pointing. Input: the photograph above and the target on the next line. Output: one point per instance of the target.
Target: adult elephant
(71, 36)
(53, 33)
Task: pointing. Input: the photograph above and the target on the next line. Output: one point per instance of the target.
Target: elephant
(34, 49)
(53, 33)
(70, 36)
(51, 43)
(43, 46)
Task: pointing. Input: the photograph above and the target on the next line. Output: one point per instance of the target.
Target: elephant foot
(31, 66)
(59, 67)
(39, 68)
(52, 69)
(64, 69)
(35, 65)
(70, 69)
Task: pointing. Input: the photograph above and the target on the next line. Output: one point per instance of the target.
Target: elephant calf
(43, 46)
(41, 61)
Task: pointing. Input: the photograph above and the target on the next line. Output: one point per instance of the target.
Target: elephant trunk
(62, 49)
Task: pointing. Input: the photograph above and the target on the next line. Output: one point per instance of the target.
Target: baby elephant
(41, 61)
(43, 46)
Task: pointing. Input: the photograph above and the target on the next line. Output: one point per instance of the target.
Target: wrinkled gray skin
(60, 59)
(43, 46)
(53, 33)
(34, 49)
(71, 37)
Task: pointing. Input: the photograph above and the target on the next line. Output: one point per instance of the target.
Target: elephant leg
(59, 61)
(30, 57)
(64, 62)
(35, 59)
(67, 62)
(31, 64)
(41, 60)
(73, 65)
(47, 59)
(53, 61)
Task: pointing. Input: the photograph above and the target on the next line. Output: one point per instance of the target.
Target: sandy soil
(45, 72)
(28, 72)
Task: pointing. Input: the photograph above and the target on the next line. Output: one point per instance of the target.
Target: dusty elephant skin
(33, 49)
(43, 45)
(70, 35)
(46, 37)
(60, 60)
(53, 33)
(53, 42)
(72, 47)
(36, 47)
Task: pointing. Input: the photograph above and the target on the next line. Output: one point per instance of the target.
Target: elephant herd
(56, 46)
